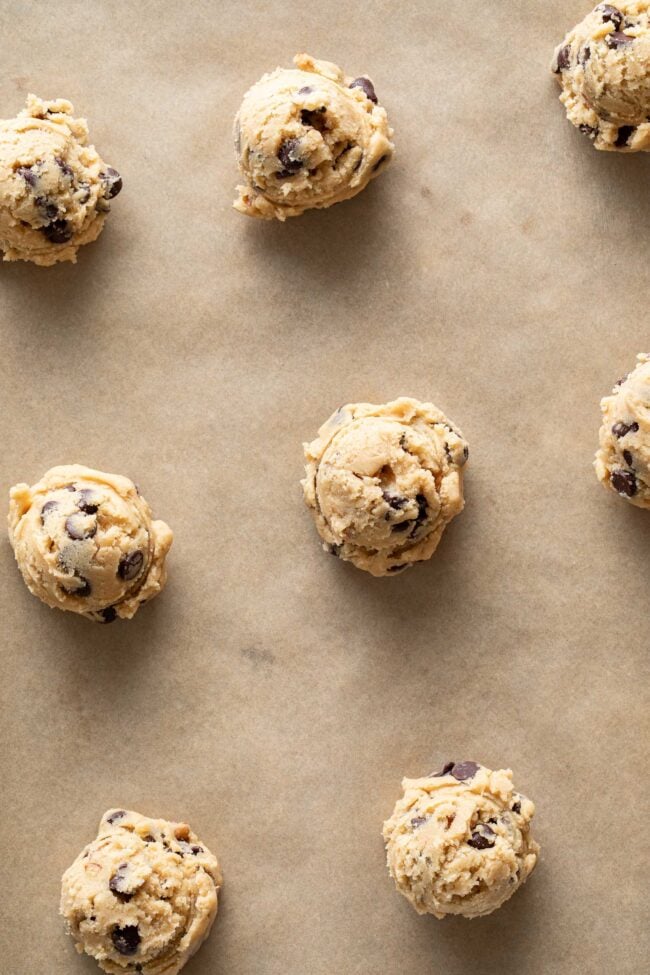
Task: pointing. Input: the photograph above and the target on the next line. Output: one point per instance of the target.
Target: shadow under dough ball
(459, 841)
(54, 187)
(383, 482)
(603, 67)
(623, 460)
(142, 896)
(308, 137)
(85, 541)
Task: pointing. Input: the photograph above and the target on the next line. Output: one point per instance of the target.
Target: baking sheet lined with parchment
(272, 696)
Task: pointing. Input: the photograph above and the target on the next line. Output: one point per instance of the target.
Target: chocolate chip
(628, 457)
(401, 526)
(287, 154)
(57, 232)
(625, 483)
(622, 429)
(584, 55)
(463, 771)
(483, 838)
(50, 210)
(445, 770)
(130, 566)
(366, 86)
(516, 807)
(84, 191)
(418, 821)
(334, 549)
(617, 39)
(28, 175)
(126, 939)
(149, 838)
(619, 382)
(88, 501)
(115, 815)
(610, 14)
(63, 166)
(47, 509)
(305, 91)
(119, 883)
(84, 590)
(422, 513)
(588, 130)
(112, 182)
(78, 527)
(197, 849)
(108, 615)
(315, 118)
(465, 452)
(563, 58)
(396, 501)
(624, 134)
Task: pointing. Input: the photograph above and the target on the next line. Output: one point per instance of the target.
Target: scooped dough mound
(459, 841)
(308, 137)
(623, 461)
(383, 482)
(85, 542)
(142, 896)
(603, 67)
(54, 187)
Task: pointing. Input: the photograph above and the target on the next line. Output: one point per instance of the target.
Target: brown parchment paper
(273, 696)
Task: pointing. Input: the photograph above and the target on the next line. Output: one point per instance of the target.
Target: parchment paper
(273, 696)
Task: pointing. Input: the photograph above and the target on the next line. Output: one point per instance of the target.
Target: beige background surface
(273, 696)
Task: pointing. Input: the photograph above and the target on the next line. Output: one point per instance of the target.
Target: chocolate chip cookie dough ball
(308, 137)
(85, 542)
(623, 461)
(603, 67)
(142, 896)
(54, 187)
(459, 841)
(383, 482)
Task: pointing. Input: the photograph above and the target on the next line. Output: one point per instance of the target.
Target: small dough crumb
(623, 461)
(603, 67)
(142, 896)
(85, 542)
(54, 187)
(308, 137)
(383, 482)
(459, 841)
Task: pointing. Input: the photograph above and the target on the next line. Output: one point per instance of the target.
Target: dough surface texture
(142, 896)
(603, 67)
(459, 841)
(623, 461)
(383, 482)
(54, 187)
(308, 137)
(85, 542)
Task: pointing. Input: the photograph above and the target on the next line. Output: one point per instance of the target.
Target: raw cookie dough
(383, 482)
(54, 188)
(85, 541)
(458, 841)
(308, 137)
(142, 896)
(603, 66)
(623, 461)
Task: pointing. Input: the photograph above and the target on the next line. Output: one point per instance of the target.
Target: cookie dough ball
(623, 461)
(308, 137)
(142, 896)
(54, 187)
(603, 67)
(459, 841)
(383, 482)
(85, 541)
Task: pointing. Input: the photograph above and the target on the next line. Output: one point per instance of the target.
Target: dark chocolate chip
(622, 429)
(628, 457)
(401, 526)
(112, 182)
(50, 210)
(92, 918)
(108, 615)
(624, 134)
(84, 590)
(28, 175)
(119, 883)
(625, 483)
(563, 58)
(197, 849)
(445, 770)
(149, 838)
(619, 382)
(396, 501)
(366, 86)
(315, 118)
(465, 452)
(516, 807)
(47, 509)
(617, 40)
(422, 513)
(78, 529)
(126, 939)
(610, 14)
(588, 130)
(88, 502)
(463, 771)
(57, 232)
(305, 91)
(418, 821)
(130, 566)
(287, 154)
(483, 838)
(584, 55)
(115, 815)
(63, 166)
